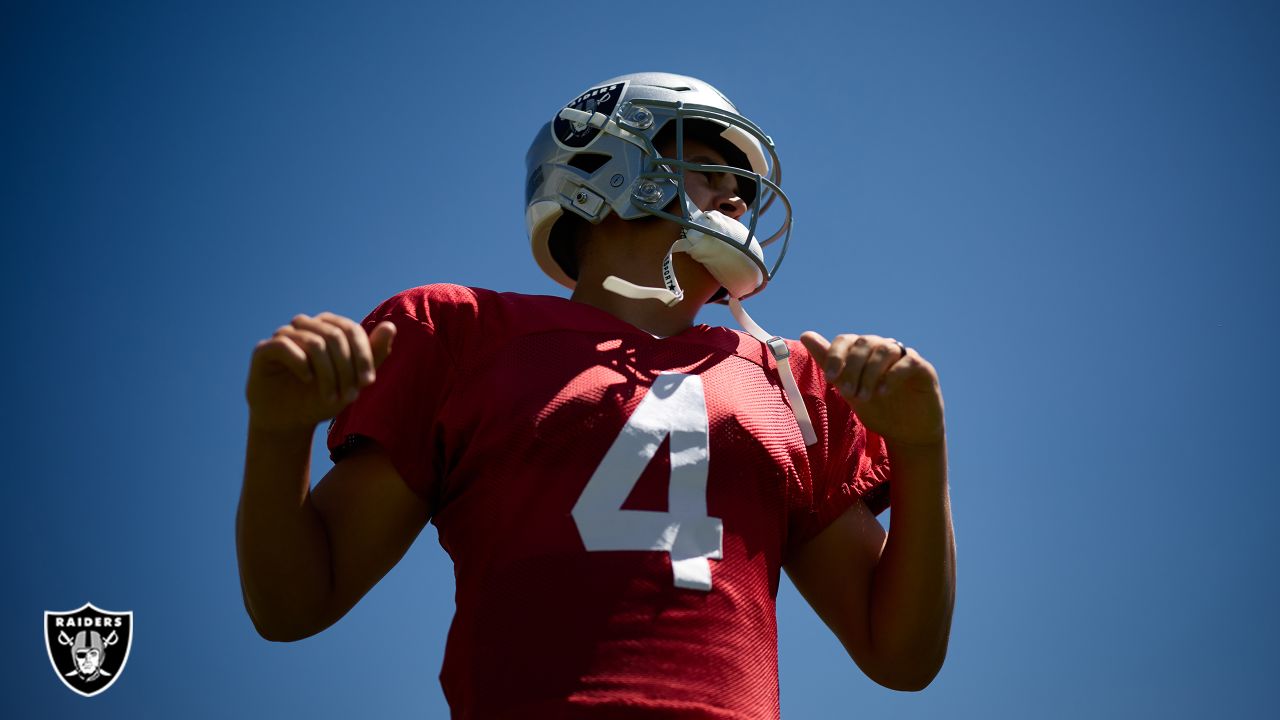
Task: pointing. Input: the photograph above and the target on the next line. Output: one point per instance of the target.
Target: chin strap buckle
(778, 347)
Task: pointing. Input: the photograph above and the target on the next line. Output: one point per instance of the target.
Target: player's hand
(893, 390)
(311, 368)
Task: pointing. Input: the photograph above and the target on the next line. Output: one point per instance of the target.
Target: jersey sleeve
(857, 462)
(400, 410)
(848, 463)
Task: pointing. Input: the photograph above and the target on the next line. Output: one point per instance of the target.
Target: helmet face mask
(601, 154)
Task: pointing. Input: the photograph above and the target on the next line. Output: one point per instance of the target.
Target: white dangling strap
(781, 354)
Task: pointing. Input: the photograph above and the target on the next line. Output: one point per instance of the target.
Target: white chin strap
(739, 275)
(669, 295)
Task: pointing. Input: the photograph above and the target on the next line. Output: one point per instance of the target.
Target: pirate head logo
(88, 647)
(576, 134)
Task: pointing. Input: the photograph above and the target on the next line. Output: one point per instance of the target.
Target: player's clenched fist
(311, 368)
(892, 389)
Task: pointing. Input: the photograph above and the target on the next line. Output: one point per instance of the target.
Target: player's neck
(649, 315)
(635, 253)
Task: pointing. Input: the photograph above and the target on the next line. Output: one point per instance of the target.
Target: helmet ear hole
(588, 162)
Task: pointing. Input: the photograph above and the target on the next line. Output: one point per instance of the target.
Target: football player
(618, 486)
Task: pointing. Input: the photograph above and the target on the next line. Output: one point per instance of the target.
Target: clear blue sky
(1071, 208)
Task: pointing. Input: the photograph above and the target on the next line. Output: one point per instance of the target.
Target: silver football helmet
(599, 155)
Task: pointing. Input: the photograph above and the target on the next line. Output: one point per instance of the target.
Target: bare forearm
(281, 542)
(913, 588)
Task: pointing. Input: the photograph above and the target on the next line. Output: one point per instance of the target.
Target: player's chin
(695, 279)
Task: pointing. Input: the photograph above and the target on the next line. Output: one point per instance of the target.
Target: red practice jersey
(618, 507)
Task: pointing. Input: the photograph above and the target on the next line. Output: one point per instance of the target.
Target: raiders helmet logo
(603, 99)
(88, 647)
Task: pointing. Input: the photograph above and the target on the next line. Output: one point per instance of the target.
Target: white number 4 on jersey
(675, 406)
